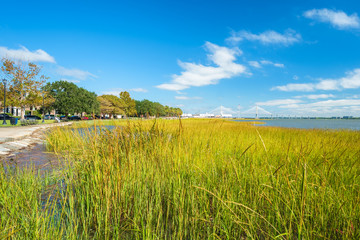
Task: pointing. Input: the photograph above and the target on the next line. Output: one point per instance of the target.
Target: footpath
(14, 139)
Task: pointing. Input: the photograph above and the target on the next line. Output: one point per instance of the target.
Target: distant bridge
(222, 111)
(257, 111)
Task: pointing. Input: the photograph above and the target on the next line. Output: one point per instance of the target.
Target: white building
(186, 115)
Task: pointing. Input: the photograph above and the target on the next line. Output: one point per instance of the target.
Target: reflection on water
(36, 158)
(40, 162)
(39, 159)
(44, 163)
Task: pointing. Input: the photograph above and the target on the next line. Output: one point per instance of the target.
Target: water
(39, 159)
(353, 124)
(36, 158)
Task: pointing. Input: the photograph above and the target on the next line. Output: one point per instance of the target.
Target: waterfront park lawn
(8, 123)
(189, 179)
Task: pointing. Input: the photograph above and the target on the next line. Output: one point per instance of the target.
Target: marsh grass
(193, 179)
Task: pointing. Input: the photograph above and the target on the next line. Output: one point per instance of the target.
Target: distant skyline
(298, 58)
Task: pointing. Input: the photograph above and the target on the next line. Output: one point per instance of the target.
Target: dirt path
(14, 139)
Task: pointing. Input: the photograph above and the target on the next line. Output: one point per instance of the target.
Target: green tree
(149, 108)
(24, 85)
(89, 103)
(70, 99)
(159, 110)
(110, 104)
(129, 104)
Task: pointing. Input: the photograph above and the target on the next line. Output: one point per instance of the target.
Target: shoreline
(14, 140)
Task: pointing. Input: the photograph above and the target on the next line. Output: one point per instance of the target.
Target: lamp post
(43, 108)
(4, 82)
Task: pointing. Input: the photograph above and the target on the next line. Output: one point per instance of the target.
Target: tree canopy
(129, 104)
(24, 83)
(70, 99)
(110, 104)
(149, 108)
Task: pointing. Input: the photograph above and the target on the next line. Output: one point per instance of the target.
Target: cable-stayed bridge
(257, 111)
(225, 112)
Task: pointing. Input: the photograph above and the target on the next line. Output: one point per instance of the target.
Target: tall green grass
(199, 179)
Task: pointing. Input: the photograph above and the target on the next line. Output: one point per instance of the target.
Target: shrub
(25, 122)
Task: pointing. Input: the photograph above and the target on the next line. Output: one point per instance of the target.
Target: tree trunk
(22, 112)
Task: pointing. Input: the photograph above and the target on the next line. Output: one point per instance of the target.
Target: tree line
(27, 87)
(148, 108)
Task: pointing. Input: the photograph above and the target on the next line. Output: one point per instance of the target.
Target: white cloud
(76, 73)
(138, 90)
(267, 37)
(280, 65)
(295, 77)
(316, 96)
(327, 105)
(117, 91)
(278, 102)
(350, 81)
(197, 75)
(70, 80)
(337, 19)
(327, 108)
(114, 91)
(267, 62)
(186, 98)
(327, 84)
(24, 54)
(336, 103)
(300, 87)
(181, 97)
(257, 64)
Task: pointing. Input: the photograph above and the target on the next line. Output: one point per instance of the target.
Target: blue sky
(289, 57)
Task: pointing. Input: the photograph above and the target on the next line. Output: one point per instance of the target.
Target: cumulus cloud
(350, 81)
(75, 73)
(336, 107)
(254, 64)
(337, 19)
(197, 75)
(316, 96)
(336, 103)
(300, 87)
(113, 91)
(278, 102)
(326, 105)
(289, 37)
(186, 98)
(70, 80)
(138, 90)
(25, 54)
(117, 91)
(257, 64)
(267, 62)
(323, 111)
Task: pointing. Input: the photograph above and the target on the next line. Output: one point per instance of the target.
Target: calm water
(311, 123)
(36, 158)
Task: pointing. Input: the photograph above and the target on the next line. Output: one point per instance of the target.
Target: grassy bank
(194, 179)
(8, 123)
